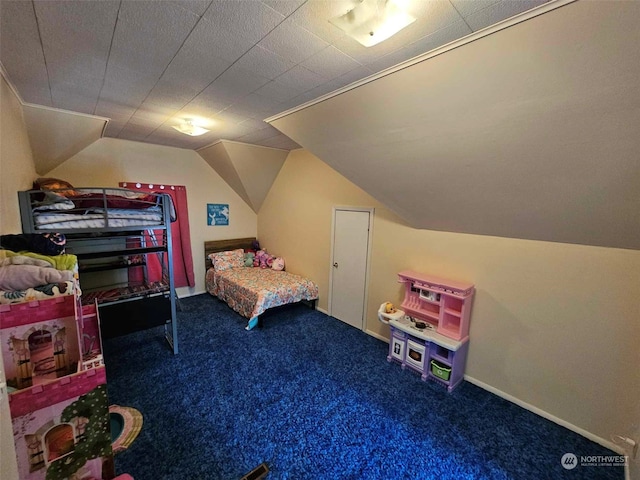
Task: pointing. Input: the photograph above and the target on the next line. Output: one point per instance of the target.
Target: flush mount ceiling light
(189, 128)
(372, 21)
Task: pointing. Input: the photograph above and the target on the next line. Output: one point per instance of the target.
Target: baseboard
(322, 310)
(192, 294)
(377, 335)
(594, 438)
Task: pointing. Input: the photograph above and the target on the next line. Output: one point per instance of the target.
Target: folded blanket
(42, 292)
(21, 277)
(24, 260)
(61, 262)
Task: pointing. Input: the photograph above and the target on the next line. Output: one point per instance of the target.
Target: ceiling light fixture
(372, 21)
(188, 128)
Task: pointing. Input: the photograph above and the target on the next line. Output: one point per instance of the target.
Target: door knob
(335, 264)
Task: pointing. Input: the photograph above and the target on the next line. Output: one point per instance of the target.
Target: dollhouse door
(349, 265)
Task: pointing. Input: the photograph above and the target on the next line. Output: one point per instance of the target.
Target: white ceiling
(531, 132)
(144, 64)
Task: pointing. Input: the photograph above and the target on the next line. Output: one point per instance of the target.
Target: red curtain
(182, 258)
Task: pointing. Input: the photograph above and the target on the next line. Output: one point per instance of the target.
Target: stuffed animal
(262, 259)
(249, 258)
(257, 257)
(389, 308)
(278, 263)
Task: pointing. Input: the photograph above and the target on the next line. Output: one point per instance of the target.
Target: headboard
(214, 246)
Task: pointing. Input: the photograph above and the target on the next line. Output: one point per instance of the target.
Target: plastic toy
(388, 311)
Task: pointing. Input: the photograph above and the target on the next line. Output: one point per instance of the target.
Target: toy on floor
(253, 322)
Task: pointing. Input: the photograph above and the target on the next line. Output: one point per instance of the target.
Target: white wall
(17, 171)
(109, 161)
(553, 325)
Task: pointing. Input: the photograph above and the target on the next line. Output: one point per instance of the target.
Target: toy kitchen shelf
(444, 304)
(430, 334)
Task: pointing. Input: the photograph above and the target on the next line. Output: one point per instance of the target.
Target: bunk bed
(114, 232)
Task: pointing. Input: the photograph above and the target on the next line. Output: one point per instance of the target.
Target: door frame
(365, 300)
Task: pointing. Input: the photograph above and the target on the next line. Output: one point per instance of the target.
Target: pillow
(222, 261)
(53, 201)
(278, 263)
(63, 188)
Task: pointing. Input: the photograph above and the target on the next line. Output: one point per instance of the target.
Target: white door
(349, 265)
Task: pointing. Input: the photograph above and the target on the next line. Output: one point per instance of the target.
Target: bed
(90, 208)
(122, 241)
(251, 291)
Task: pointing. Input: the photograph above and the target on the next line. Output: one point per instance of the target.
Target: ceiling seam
(106, 65)
(44, 57)
(167, 67)
(461, 16)
(225, 70)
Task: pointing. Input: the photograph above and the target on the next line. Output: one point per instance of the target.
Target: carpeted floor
(315, 399)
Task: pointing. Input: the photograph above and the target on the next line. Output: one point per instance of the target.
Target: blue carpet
(316, 399)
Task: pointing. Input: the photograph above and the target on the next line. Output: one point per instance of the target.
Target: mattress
(95, 218)
(251, 291)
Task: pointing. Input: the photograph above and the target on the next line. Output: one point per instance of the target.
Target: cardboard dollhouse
(58, 399)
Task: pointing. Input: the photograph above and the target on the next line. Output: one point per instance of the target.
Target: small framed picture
(217, 214)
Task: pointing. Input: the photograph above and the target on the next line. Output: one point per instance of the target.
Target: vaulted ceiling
(510, 118)
(145, 64)
(531, 132)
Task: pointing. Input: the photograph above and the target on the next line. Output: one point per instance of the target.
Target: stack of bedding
(35, 267)
(57, 205)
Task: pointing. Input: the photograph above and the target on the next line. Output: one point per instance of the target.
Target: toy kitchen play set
(430, 333)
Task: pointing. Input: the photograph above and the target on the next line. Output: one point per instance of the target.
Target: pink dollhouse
(58, 398)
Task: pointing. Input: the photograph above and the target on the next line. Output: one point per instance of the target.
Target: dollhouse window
(58, 442)
(41, 352)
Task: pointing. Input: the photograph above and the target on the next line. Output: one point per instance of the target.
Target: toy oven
(415, 355)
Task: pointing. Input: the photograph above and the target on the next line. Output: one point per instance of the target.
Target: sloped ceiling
(56, 135)
(531, 132)
(148, 64)
(250, 170)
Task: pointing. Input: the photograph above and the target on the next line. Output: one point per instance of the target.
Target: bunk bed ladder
(171, 328)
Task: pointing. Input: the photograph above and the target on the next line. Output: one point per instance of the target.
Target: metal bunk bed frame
(93, 243)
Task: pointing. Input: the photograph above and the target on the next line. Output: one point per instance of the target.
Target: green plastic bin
(441, 371)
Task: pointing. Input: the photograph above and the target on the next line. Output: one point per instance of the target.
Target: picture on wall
(217, 214)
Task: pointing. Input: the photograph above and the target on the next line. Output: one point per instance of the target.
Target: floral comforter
(251, 291)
